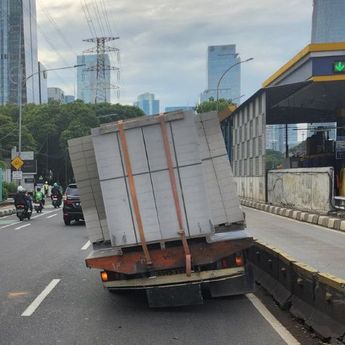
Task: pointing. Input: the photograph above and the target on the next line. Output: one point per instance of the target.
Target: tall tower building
(87, 80)
(219, 59)
(328, 21)
(18, 51)
(147, 103)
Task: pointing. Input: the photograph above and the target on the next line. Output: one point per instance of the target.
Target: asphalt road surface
(314, 245)
(48, 296)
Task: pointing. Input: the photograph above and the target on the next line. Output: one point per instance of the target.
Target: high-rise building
(219, 59)
(88, 80)
(42, 84)
(182, 107)
(328, 21)
(18, 51)
(56, 94)
(69, 99)
(147, 103)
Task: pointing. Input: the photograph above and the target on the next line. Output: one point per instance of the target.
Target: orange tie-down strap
(175, 194)
(133, 191)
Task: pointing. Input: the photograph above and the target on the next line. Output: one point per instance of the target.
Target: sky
(163, 43)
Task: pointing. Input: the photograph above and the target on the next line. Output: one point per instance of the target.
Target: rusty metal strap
(172, 178)
(133, 191)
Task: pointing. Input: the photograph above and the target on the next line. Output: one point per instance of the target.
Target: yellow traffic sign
(17, 162)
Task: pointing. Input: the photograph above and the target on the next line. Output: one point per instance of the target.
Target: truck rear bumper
(176, 279)
(179, 290)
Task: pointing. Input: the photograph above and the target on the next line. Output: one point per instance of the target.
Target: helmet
(20, 189)
(38, 189)
(46, 182)
(56, 185)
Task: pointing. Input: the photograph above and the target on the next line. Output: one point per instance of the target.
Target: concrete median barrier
(316, 298)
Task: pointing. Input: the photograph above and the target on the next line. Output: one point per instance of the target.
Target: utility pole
(101, 66)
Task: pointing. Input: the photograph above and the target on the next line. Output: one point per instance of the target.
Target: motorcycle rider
(39, 196)
(22, 199)
(56, 192)
(46, 188)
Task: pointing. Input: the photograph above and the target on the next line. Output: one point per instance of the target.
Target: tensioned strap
(133, 191)
(175, 193)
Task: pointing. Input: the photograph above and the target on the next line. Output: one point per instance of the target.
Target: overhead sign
(17, 162)
(339, 67)
(17, 175)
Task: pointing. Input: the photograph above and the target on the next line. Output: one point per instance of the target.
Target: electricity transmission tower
(103, 65)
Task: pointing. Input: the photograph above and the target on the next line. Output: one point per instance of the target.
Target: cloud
(164, 42)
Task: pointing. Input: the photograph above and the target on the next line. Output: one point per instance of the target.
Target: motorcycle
(23, 212)
(56, 202)
(38, 206)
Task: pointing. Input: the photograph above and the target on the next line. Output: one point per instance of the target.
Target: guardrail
(314, 297)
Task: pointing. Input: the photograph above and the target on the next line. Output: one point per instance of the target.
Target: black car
(71, 205)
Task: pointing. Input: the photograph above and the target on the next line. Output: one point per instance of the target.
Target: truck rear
(161, 208)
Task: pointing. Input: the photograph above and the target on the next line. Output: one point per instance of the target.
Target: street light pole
(225, 72)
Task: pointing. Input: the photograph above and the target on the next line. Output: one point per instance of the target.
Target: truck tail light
(239, 260)
(104, 276)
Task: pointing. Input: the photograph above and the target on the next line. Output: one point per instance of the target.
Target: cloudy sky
(163, 43)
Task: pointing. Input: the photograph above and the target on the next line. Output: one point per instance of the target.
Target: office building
(93, 86)
(276, 137)
(18, 31)
(182, 107)
(219, 59)
(69, 99)
(328, 21)
(147, 103)
(56, 94)
(42, 84)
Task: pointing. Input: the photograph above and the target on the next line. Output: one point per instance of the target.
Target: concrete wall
(251, 187)
(307, 189)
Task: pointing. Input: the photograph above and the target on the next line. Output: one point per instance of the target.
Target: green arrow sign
(339, 67)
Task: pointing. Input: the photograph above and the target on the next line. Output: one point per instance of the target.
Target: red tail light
(239, 260)
(68, 202)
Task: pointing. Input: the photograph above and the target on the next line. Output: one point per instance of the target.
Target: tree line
(46, 129)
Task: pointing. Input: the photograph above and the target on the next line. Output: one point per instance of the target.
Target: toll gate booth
(307, 94)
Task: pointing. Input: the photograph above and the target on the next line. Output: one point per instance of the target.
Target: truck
(161, 208)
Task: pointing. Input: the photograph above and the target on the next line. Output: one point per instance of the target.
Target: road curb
(7, 212)
(312, 218)
(312, 296)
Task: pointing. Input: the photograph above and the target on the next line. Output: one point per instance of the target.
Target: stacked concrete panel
(224, 204)
(151, 176)
(85, 171)
(205, 185)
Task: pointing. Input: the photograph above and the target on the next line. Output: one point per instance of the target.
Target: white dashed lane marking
(86, 245)
(23, 226)
(40, 298)
(53, 215)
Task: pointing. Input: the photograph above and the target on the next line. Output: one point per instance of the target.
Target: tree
(211, 105)
(273, 159)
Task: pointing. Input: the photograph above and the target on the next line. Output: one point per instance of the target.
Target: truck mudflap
(174, 296)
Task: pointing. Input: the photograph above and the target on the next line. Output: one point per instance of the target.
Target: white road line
(53, 215)
(42, 214)
(6, 226)
(39, 299)
(23, 226)
(278, 327)
(3, 217)
(297, 221)
(86, 245)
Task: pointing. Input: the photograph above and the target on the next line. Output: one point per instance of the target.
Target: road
(43, 253)
(314, 245)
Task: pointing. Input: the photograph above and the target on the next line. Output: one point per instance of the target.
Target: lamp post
(225, 72)
(20, 97)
